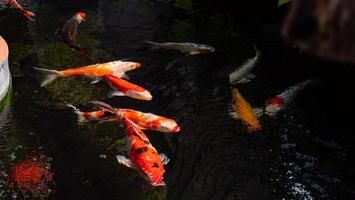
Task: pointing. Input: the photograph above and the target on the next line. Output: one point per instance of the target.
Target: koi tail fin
(153, 45)
(257, 52)
(104, 106)
(51, 75)
(81, 118)
(84, 52)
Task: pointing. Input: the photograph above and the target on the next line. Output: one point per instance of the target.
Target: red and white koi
(99, 115)
(28, 14)
(125, 88)
(95, 72)
(142, 155)
(148, 121)
(278, 103)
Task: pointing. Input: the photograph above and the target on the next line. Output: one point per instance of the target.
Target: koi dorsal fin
(137, 130)
(104, 106)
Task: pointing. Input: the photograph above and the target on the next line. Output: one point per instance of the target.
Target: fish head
(274, 106)
(169, 126)
(80, 16)
(128, 66)
(143, 95)
(148, 162)
(202, 48)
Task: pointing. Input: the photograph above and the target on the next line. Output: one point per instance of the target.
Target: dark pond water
(306, 152)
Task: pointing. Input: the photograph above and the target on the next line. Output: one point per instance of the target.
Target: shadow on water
(304, 153)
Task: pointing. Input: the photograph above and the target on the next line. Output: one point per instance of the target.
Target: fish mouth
(138, 65)
(147, 96)
(176, 128)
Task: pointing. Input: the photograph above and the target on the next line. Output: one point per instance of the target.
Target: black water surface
(304, 153)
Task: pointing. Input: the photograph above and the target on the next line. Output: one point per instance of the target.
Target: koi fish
(243, 111)
(280, 102)
(68, 32)
(28, 14)
(95, 72)
(125, 88)
(99, 115)
(191, 48)
(147, 121)
(142, 155)
(242, 74)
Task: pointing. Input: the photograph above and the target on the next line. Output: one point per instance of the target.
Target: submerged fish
(99, 115)
(95, 72)
(142, 155)
(143, 120)
(279, 102)
(191, 48)
(242, 74)
(68, 32)
(243, 111)
(125, 88)
(28, 14)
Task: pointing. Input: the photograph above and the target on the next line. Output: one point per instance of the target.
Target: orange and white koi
(243, 111)
(148, 121)
(95, 72)
(124, 88)
(28, 14)
(142, 155)
(280, 102)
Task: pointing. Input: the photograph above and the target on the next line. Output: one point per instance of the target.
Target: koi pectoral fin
(124, 161)
(194, 52)
(164, 158)
(258, 111)
(125, 76)
(96, 80)
(114, 93)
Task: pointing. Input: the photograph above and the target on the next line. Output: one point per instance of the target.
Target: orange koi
(95, 72)
(28, 14)
(125, 88)
(244, 112)
(142, 155)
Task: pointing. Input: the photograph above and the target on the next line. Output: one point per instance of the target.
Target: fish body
(124, 88)
(28, 14)
(99, 115)
(142, 155)
(95, 72)
(187, 47)
(150, 121)
(143, 120)
(68, 32)
(244, 112)
(280, 102)
(242, 74)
